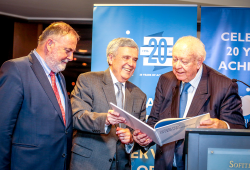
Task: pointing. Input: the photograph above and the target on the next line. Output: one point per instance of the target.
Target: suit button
(63, 155)
(110, 160)
(66, 132)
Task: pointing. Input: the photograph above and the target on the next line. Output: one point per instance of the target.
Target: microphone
(235, 80)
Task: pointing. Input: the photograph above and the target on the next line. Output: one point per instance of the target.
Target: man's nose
(178, 64)
(131, 62)
(70, 58)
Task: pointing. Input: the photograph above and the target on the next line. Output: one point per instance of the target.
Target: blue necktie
(183, 99)
(179, 163)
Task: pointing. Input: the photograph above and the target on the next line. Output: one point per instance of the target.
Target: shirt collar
(197, 78)
(43, 63)
(114, 79)
(195, 82)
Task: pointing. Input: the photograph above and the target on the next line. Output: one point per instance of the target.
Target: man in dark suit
(208, 92)
(98, 142)
(35, 112)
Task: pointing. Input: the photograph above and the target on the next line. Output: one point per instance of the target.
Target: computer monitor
(217, 149)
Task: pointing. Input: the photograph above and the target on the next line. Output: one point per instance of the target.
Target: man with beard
(35, 112)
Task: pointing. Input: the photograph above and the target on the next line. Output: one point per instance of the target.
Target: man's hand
(213, 123)
(114, 118)
(124, 135)
(141, 138)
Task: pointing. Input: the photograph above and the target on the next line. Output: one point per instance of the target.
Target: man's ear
(49, 44)
(110, 59)
(199, 62)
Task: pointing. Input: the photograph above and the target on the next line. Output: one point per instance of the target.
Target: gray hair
(195, 47)
(114, 45)
(57, 29)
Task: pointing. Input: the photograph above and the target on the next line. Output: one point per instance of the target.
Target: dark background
(19, 37)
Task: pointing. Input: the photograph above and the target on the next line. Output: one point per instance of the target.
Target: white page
(136, 123)
(164, 134)
(176, 131)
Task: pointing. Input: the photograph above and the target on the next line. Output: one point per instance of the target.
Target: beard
(54, 63)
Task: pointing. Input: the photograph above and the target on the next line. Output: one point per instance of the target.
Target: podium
(217, 149)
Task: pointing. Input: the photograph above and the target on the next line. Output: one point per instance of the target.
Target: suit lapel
(175, 101)
(128, 100)
(42, 78)
(109, 92)
(108, 88)
(201, 95)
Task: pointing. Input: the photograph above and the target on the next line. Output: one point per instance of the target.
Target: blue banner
(225, 31)
(155, 29)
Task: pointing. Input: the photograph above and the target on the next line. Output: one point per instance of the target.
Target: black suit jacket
(32, 133)
(216, 94)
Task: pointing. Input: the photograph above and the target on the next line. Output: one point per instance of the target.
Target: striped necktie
(54, 87)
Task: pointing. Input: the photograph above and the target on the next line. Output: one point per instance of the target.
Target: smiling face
(185, 64)
(124, 63)
(60, 51)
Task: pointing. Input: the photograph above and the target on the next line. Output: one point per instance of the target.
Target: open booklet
(166, 130)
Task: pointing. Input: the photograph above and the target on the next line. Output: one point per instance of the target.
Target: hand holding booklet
(166, 130)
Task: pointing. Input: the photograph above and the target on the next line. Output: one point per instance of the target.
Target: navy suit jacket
(216, 94)
(32, 133)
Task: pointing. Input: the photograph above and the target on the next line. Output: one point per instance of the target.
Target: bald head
(188, 55)
(190, 45)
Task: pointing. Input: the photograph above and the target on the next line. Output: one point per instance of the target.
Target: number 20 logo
(153, 41)
(157, 50)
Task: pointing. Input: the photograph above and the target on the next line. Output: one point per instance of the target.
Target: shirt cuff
(106, 128)
(228, 127)
(129, 147)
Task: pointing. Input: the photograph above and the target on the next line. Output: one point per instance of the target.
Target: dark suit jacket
(93, 148)
(215, 94)
(32, 133)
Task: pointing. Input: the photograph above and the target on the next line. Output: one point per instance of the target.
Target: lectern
(217, 149)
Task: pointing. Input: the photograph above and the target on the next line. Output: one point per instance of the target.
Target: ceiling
(82, 10)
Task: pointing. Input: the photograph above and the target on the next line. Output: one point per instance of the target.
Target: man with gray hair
(35, 111)
(101, 140)
(191, 89)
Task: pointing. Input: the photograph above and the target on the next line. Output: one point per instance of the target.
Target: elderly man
(206, 91)
(98, 142)
(35, 112)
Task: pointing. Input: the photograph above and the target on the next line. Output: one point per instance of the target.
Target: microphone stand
(235, 80)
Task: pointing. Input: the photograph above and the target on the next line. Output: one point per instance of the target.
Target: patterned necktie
(119, 95)
(54, 87)
(183, 99)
